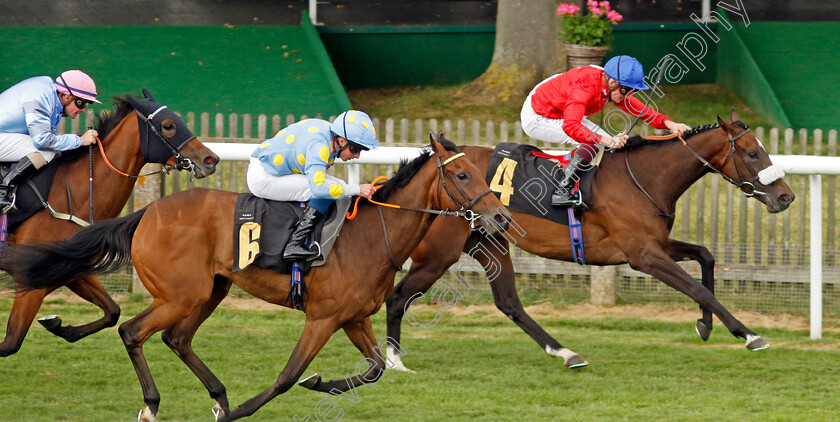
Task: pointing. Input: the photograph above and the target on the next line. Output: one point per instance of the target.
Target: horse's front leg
(682, 250)
(361, 334)
(440, 249)
(179, 339)
(314, 337)
(90, 289)
(656, 262)
(499, 270)
(24, 308)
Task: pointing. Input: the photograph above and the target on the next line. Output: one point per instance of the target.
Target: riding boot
(297, 249)
(19, 173)
(562, 197)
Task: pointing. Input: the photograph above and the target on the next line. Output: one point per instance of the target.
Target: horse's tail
(102, 248)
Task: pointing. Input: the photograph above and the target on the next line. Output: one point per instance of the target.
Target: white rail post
(816, 256)
(354, 174)
(313, 12)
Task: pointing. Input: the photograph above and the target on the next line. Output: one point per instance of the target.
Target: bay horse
(628, 222)
(182, 249)
(167, 140)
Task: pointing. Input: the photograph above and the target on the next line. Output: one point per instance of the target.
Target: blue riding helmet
(627, 71)
(356, 126)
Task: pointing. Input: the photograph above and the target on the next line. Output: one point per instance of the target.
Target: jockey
(556, 110)
(29, 114)
(292, 166)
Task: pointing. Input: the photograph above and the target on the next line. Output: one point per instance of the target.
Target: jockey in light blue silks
(29, 114)
(292, 166)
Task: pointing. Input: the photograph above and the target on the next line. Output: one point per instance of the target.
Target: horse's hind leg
(682, 250)
(314, 337)
(440, 248)
(179, 339)
(24, 308)
(91, 290)
(499, 269)
(361, 334)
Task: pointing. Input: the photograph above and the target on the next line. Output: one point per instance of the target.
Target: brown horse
(164, 139)
(182, 248)
(628, 222)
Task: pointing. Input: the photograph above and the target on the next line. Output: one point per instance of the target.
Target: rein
(465, 211)
(770, 173)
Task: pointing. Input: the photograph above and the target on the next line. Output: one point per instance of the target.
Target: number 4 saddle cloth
(262, 227)
(524, 178)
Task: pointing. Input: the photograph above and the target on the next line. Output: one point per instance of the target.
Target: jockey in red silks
(556, 110)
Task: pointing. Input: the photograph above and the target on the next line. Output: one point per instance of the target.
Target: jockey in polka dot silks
(292, 166)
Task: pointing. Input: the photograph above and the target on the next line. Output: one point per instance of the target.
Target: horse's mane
(104, 123)
(637, 141)
(407, 170)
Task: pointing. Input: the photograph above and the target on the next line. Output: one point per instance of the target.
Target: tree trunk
(526, 51)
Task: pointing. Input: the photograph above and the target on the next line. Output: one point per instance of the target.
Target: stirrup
(11, 205)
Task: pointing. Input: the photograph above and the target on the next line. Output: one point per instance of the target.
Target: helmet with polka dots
(356, 127)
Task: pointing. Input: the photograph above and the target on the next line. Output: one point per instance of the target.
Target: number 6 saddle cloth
(524, 178)
(262, 227)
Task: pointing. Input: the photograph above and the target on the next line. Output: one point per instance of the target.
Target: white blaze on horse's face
(770, 174)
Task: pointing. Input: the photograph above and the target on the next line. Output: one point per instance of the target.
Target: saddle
(30, 196)
(523, 178)
(261, 229)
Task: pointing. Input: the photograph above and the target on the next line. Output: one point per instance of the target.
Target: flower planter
(582, 55)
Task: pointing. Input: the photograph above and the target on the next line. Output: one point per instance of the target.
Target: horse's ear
(148, 95)
(133, 101)
(436, 146)
(733, 116)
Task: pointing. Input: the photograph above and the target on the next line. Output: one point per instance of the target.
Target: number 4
(502, 180)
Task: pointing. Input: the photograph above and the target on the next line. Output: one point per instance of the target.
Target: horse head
(167, 140)
(464, 188)
(747, 165)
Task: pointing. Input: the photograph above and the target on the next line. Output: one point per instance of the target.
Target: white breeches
(291, 187)
(550, 130)
(15, 146)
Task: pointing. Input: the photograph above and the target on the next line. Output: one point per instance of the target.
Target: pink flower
(614, 16)
(567, 9)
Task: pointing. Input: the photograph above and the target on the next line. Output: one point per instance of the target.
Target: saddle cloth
(27, 202)
(523, 179)
(262, 227)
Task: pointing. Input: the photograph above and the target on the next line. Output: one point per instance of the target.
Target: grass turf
(471, 366)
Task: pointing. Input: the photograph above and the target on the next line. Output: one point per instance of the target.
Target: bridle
(464, 212)
(765, 176)
(181, 162)
(748, 188)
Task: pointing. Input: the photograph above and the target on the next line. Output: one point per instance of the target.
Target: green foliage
(589, 29)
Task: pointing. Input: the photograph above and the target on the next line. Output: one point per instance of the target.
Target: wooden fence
(751, 245)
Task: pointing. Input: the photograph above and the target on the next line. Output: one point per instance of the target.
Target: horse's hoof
(218, 412)
(50, 322)
(576, 362)
(703, 330)
(756, 343)
(146, 415)
(310, 382)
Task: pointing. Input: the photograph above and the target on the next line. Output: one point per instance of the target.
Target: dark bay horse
(182, 249)
(121, 133)
(623, 225)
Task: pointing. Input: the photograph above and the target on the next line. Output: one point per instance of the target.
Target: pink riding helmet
(80, 85)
